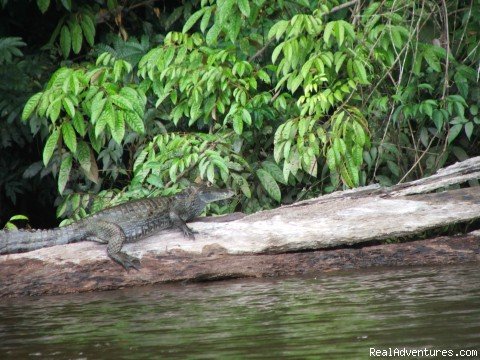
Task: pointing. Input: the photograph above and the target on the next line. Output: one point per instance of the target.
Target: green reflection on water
(333, 316)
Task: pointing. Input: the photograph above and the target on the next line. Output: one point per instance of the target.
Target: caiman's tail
(16, 241)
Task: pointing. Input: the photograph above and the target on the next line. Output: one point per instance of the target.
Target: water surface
(333, 316)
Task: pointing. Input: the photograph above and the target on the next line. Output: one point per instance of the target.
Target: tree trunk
(307, 237)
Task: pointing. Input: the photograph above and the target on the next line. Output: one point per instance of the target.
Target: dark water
(333, 316)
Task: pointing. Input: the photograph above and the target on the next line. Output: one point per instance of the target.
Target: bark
(306, 237)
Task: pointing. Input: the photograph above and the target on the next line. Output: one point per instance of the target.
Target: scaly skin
(127, 222)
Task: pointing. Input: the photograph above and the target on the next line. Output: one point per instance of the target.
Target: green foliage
(279, 101)
(10, 225)
(74, 29)
(90, 106)
(9, 48)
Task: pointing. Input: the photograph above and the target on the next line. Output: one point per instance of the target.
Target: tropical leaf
(83, 155)
(88, 28)
(135, 122)
(121, 102)
(76, 33)
(50, 146)
(65, 41)
(64, 173)
(274, 170)
(118, 132)
(244, 7)
(193, 19)
(68, 106)
(43, 5)
(238, 124)
(69, 137)
(269, 184)
(79, 124)
(98, 104)
(30, 105)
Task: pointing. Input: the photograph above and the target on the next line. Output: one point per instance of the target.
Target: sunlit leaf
(30, 105)
(50, 146)
(193, 19)
(244, 7)
(69, 137)
(64, 173)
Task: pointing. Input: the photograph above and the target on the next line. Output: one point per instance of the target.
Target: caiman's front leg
(111, 234)
(180, 223)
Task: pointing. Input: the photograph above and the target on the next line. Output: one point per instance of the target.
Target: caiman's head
(211, 194)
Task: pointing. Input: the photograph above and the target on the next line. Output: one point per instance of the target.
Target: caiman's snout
(229, 193)
(209, 195)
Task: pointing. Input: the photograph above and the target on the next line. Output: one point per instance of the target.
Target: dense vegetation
(279, 100)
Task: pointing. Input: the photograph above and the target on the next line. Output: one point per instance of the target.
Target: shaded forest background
(107, 101)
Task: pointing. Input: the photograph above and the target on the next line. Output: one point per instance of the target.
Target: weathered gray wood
(339, 219)
(35, 277)
(458, 173)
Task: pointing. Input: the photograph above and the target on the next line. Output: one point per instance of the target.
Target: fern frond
(130, 51)
(9, 48)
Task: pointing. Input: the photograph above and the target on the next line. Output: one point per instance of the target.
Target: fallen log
(306, 237)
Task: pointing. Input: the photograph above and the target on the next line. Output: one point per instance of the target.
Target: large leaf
(65, 41)
(192, 20)
(135, 98)
(213, 33)
(76, 32)
(107, 117)
(67, 4)
(269, 184)
(43, 5)
(454, 131)
(118, 132)
(50, 146)
(68, 106)
(206, 19)
(79, 124)
(54, 108)
(83, 155)
(274, 170)
(121, 102)
(244, 7)
(69, 137)
(328, 31)
(238, 124)
(135, 122)
(88, 29)
(360, 71)
(432, 59)
(64, 173)
(30, 105)
(98, 103)
(469, 129)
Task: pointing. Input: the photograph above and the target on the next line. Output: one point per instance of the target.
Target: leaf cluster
(277, 101)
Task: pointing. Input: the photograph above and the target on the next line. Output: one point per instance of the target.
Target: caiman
(116, 225)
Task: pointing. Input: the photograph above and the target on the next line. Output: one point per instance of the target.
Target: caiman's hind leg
(111, 234)
(178, 222)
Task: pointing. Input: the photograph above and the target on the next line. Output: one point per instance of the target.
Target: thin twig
(391, 67)
(377, 161)
(143, 3)
(260, 51)
(447, 39)
(342, 6)
(416, 162)
(275, 96)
